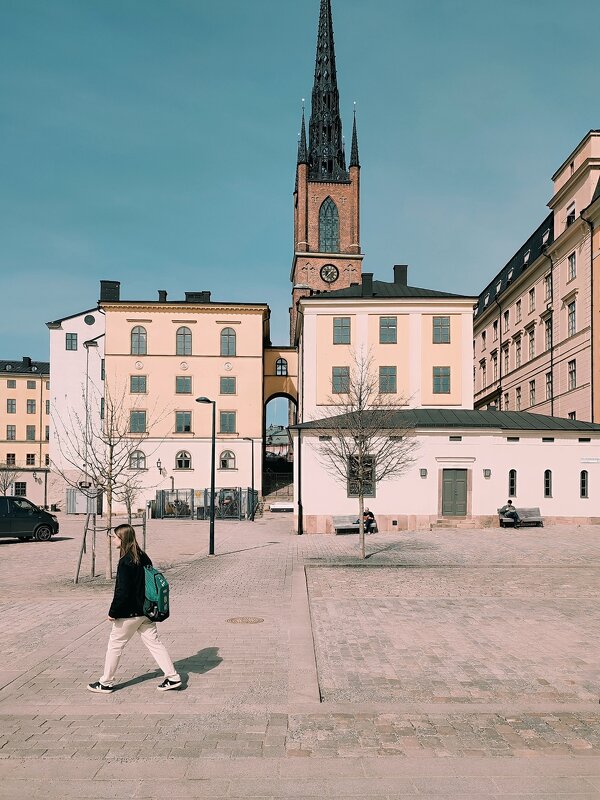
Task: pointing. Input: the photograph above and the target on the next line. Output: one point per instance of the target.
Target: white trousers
(121, 633)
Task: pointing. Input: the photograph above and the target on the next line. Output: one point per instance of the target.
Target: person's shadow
(203, 661)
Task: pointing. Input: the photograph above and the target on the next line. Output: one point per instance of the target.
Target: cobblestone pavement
(450, 664)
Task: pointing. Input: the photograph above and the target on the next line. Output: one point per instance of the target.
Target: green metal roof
(439, 418)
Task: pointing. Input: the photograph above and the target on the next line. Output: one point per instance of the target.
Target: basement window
(455, 438)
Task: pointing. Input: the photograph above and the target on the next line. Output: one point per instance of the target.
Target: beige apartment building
(160, 356)
(536, 324)
(25, 428)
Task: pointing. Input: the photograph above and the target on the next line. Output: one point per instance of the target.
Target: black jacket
(130, 593)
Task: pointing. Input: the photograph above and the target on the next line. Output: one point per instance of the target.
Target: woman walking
(127, 615)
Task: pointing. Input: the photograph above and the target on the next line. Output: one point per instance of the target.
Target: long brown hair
(129, 543)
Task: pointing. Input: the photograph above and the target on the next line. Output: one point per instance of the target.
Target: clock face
(329, 273)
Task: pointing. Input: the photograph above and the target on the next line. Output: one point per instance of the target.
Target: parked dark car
(21, 519)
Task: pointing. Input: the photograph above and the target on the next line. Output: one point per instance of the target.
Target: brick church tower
(327, 195)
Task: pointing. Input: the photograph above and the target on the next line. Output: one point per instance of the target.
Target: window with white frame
(183, 342)
(548, 386)
(227, 460)
(388, 330)
(532, 392)
(138, 384)
(183, 460)
(583, 483)
(11, 406)
(571, 319)
(137, 422)
(494, 366)
(548, 483)
(548, 287)
(572, 266)
(137, 460)
(572, 374)
(340, 380)
(505, 402)
(495, 330)
(512, 483)
(341, 329)
(183, 422)
(31, 406)
(30, 433)
(183, 384)
(505, 358)
(441, 330)
(531, 342)
(139, 341)
(387, 380)
(548, 333)
(70, 341)
(227, 421)
(518, 398)
(483, 340)
(518, 346)
(30, 460)
(227, 385)
(518, 311)
(505, 321)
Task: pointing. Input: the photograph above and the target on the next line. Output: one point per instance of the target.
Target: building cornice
(138, 306)
(574, 152)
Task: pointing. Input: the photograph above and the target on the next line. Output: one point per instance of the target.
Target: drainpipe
(590, 225)
(549, 257)
(300, 511)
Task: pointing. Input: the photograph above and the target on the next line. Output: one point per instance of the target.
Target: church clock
(330, 273)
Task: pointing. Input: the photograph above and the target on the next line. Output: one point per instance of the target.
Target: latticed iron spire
(326, 154)
(354, 162)
(302, 151)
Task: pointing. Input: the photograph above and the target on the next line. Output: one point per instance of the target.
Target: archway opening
(278, 456)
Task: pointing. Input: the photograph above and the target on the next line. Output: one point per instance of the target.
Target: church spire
(302, 153)
(326, 155)
(354, 162)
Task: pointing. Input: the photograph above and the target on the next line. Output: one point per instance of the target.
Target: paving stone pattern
(449, 664)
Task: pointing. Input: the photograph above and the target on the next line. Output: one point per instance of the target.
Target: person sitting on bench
(369, 521)
(511, 512)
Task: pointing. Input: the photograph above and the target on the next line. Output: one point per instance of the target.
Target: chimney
(162, 296)
(367, 284)
(26, 361)
(110, 291)
(197, 297)
(400, 276)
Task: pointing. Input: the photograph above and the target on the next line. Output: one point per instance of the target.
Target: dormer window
(498, 287)
(509, 276)
(526, 257)
(546, 236)
(486, 300)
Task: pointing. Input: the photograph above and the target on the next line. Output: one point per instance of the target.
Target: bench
(529, 516)
(348, 524)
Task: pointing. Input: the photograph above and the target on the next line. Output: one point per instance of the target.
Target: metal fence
(230, 503)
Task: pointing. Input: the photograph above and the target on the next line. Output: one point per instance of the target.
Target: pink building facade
(535, 337)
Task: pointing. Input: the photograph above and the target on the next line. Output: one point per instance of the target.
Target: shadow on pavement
(245, 549)
(404, 547)
(16, 540)
(203, 661)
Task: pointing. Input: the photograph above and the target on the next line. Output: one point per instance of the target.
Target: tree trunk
(361, 525)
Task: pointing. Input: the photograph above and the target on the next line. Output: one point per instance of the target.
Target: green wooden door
(454, 493)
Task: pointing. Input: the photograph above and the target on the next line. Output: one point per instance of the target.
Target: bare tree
(362, 442)
(98, 449)
(9, 473)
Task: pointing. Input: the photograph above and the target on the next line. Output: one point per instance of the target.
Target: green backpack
(156, 602)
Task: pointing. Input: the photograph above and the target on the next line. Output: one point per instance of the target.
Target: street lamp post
(211, 535)
(248, 439)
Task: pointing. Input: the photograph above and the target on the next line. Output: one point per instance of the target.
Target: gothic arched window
(281, 367)
(138, 341)
(227, 342)
(329, 227)
(183, 342)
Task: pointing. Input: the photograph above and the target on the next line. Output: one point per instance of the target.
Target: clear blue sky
(154, 142)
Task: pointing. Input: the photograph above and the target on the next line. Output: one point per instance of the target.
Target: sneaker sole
(99, 691)
(168, 688)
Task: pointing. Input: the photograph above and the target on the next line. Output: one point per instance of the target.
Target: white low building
(467, 464)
